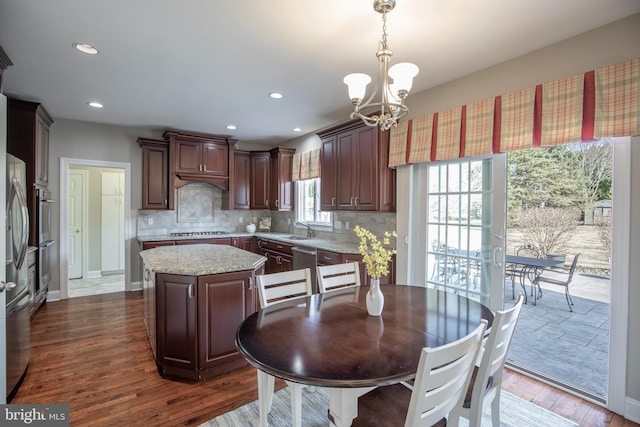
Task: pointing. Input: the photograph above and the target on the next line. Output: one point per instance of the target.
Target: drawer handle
(327, 257)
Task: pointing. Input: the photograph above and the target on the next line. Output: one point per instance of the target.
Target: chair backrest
(276, 287)
(574, 263)
(442, 379)
(528, 250)
(338, 276)
(495, 351)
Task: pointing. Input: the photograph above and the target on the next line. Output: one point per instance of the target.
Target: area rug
(514, 412)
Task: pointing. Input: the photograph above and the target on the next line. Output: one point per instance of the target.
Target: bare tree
(548, 229)
(595, 160)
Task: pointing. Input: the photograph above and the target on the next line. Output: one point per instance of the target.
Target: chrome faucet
(310, 231)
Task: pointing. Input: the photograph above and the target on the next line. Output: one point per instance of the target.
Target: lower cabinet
(279, 255)
(196, 322)
(330, 258)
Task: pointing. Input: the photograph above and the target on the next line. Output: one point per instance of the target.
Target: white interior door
(75, 222)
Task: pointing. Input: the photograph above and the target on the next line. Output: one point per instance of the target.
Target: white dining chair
(441, 381)
(486, 380)
(278, 287)
(338, 276)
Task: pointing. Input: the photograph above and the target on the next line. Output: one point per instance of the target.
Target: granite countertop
(312, 242)
(200, 260)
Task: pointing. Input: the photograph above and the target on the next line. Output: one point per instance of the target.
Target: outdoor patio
(569, 347)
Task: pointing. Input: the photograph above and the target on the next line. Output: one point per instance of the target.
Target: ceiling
(199, 65)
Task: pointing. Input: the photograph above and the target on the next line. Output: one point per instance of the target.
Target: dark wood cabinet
(330, 258)
(279, 255)
(28, 126)
(176, 316)
(196, 319)
(355, 175)
(155, 174)
(259, 188)
(214, 241)
(155, 244)
(240, 181)
(281, 197)
(245, 243)
(224, 302)
(198, 158)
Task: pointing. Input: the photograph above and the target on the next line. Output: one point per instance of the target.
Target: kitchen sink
(298, 238)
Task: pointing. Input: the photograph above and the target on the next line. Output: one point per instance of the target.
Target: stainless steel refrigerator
(18, 294)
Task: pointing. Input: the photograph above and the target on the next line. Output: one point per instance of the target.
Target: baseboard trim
(136, 286)
(632, 410)
(53, 296)
(94, 274)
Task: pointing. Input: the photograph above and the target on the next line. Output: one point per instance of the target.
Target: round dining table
(329, 340)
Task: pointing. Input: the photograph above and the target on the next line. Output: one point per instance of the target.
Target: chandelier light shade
(391, 107)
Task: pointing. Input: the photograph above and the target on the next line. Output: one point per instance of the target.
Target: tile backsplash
(199, 208)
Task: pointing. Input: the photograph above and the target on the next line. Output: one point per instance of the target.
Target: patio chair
(513, 270)
(558, 276)
(442, 378)
(278, 287)
(486, 380)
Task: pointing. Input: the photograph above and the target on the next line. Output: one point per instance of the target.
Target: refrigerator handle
(24, 213)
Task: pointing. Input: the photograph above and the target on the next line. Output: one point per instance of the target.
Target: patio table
(531, 268)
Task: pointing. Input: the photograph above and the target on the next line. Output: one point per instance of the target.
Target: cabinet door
(347, 170)
(365, 180)
(176, 321)
(328, 160)
(241, 180)
(224, 302)
(215, 159)
(281, 184)
(155, 163)
(188, 157)
(259, 191)
(42, 152)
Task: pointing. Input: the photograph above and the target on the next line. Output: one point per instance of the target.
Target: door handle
(497, 261)
(6, 285)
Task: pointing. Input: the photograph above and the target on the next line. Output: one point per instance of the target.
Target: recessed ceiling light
(95, 104)
(86, 48)
(276, 95)
(297, 130)
(231, 127)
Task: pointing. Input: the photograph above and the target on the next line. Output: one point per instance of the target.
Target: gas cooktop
(199, 233)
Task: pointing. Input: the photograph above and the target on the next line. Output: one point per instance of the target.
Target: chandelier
(391, 107)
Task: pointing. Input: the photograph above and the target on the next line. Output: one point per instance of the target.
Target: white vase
(375, 299)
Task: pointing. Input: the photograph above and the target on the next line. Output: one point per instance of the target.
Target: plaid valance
(582, 107)
(306, 165)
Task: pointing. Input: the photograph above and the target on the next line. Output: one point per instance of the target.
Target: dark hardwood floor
(92, 353)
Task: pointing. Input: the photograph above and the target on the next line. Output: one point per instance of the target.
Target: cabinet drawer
(275, 246)
(328, 258)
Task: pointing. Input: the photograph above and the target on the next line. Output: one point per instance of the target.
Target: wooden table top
(329, 339)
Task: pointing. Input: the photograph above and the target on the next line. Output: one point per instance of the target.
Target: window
(308, 203)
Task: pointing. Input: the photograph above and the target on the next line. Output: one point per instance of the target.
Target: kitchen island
(195, 297)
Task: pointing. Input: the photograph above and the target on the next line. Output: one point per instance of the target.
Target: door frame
(85, 220)
(65, 162)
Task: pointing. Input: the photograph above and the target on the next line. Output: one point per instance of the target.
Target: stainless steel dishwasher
(306, 258)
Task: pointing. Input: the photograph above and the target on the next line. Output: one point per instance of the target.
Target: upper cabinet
(280, 182)
(239, 181)
(197, 158)
(155, 174)
(28, 139)
(259, 187)
(355, 175)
